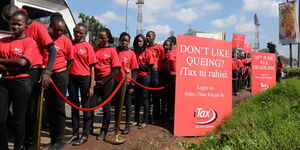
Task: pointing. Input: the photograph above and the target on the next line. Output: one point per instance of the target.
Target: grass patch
(270, 120)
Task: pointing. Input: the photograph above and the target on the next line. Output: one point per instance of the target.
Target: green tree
(93, 27)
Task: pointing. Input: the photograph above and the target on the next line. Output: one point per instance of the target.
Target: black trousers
(168, 97)
(31, 113)
(81, 83)
(15, 91)
(102, 94)
(127, 101)
(141, 97)
(56, 107)
(235, 77)
(278, 76)
(154, 96)
(247, 79)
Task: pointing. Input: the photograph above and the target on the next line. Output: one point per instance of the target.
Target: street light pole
(126, 20)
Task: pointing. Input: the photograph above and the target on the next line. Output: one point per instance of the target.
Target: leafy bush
(291, 72)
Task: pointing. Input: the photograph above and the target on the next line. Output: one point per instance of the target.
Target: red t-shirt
(280, 66)
(40, 34)
(84, 57)
(234, 64)
(128, 61)
(25, 47)
(157, 54)
(240, 63)
(171, 60)
(144, 58)
(246, 61)
(64, 52)
(107, 58)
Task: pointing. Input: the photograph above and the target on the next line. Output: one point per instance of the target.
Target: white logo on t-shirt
(106, 56)
(125, 59)
(81, 51)
(18, 50)
(57, 48)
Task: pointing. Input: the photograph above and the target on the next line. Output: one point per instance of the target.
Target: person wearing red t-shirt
(240, 70)
(106, 69)
(39, 33)
(157, 52)
(170, 76)
(81, 77)
(128, 61)
(146, 63)
(235, 74)
(247, 66)
(17, 54)
(56, 105)
(279, 69)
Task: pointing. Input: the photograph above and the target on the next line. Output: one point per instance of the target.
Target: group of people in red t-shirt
(77, 66)
(241, 72)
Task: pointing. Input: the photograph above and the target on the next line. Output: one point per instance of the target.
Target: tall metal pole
(291, 56)
(291, 51)
(126, 20)
(39, 120)
(298, 62)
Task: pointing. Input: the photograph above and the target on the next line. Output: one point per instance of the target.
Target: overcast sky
(162, 16)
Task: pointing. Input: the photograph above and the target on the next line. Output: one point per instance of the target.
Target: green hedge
(291, 72)
(270, 120)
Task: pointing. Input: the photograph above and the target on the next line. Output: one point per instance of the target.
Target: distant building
(213, 35)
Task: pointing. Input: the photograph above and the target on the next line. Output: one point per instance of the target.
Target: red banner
(203, 85)
(238, 41)
(247, 48)
(263, 71)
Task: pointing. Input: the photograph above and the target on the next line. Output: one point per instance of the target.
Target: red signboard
(263, 71)
(238, 41)
(247, 48)
(203, 85)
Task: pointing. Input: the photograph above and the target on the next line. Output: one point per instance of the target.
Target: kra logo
(81, 51)
(18, 50)
(106, 56)
(154, 54)
(57, 48)
(204, 116)
(141, 57)
(125, 59)
(264, 86)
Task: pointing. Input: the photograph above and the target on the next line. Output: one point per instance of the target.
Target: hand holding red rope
(87, 109)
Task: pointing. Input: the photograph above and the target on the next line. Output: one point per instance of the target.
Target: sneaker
(80, 141)
(126, 130)
(101, 136)
(71, 139)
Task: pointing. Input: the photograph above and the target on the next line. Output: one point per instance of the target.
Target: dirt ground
(151, 137)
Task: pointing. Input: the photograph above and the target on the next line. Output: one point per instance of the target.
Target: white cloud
(244, 27)
(204, 5)
(267, 8)
(149, 18)
(110, 16)
(185, 12)
(160, 29)
(186, 15)
(224, 23)
(212, 6)
(239, 23)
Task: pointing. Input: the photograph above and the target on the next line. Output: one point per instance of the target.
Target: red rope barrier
(150, 88)
(87, 109)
